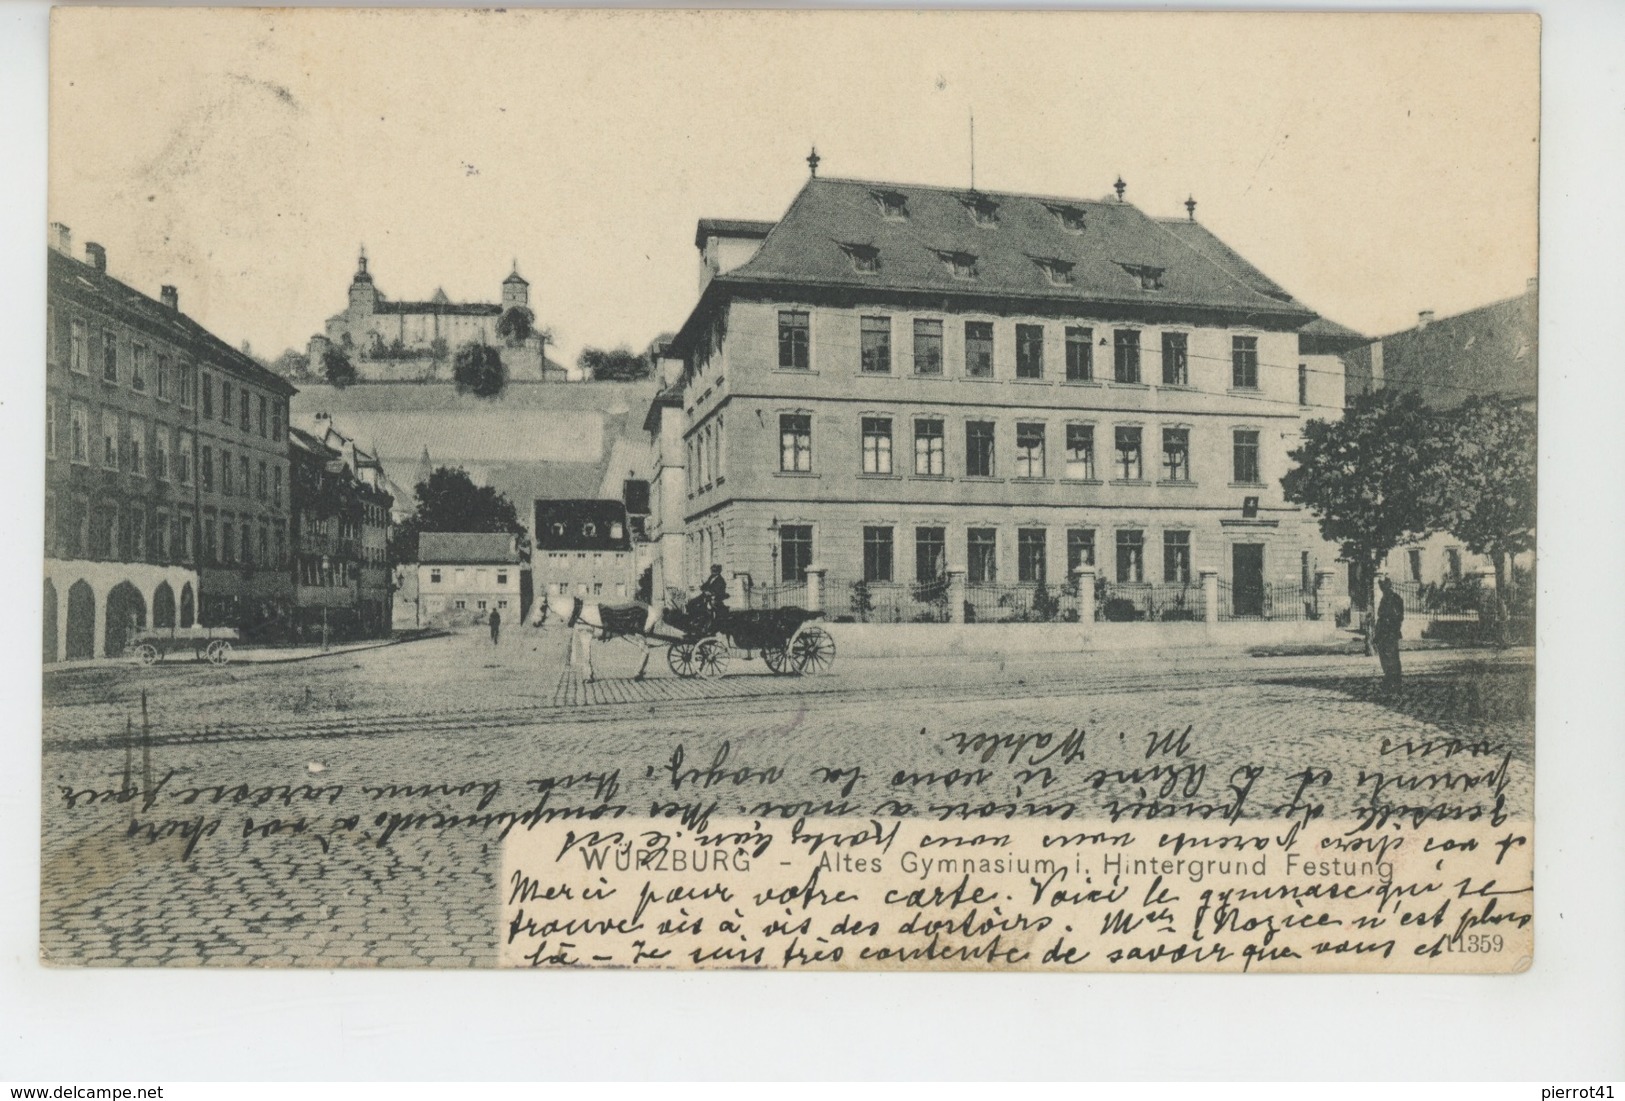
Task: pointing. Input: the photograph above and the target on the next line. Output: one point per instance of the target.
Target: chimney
(1424, 319)
(95, 256)
(61, 238)
(170, 297)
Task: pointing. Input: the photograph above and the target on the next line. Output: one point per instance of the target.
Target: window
(1176, 556)
(183, 379)
(877, 554)
(795, 551)
(983, 210)
(207, 469)
(243, 420)
(265, 544)
(930, 553)
(262, 486)
(874, 334)
(982, 554)
(462, 604)
(1176, 454)
(79, 427)
(893, 206)
(1150, 278)
(1029, 451)
(138, 367)
(109, 439)
(183, 539)
(962, 265)
(434, 576)
(1030, 554)
(260, 415)
(208, 540)
(1414, 557)
(1176, 370)
(50, 426)
(1452, 563)
(1029, 351)
(1129, 465)
(109, 356)
(160, 453)
(1080, 548)
(228, 542)
(1080, 452)
(929, 459)
(242, 470)
(1130, 556)
(1303, 384)
(161, 378)
(228, 484)
(927, 346)
(877, 445)
(137, 446)
(1126, 355)
(1244, 362)
(276, 419)
(208, 394)
(480, 604)
(795, 442)
(78, 348)
(276, 485)
(1058, 272)
(1070, 217)
(865, 258)
(281, 536)
(1245, 450)
(978, 349)
(502, 577)
(793, 340)
(225, 402)
(1080, 354)
(979, 449)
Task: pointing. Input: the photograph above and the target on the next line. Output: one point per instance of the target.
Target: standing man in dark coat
(1390, 617)
(715, 591)
(496, 625)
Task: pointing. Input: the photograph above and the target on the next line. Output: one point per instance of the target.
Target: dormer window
(589, 530)
(617, 531)
(1150, 278)
(1070, 217)
(1058, 272)
(893, 205)
(865, 258)
(961, 264)
(558, 529)
(983, 210)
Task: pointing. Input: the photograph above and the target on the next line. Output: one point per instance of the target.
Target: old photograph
(860, 491)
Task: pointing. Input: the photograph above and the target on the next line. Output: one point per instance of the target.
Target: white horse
(634, 622)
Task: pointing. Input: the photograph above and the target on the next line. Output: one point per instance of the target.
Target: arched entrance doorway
(163, 606)
(188, 606)
(48, 644)
(126, 613)
(80, 642)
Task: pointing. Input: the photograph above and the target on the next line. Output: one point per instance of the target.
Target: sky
(1375, 165)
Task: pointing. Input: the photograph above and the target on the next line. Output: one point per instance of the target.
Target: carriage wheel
(777, 658)
(148, 653)
(711, 655)
(680, 656)
(219, 652)
(812, 651)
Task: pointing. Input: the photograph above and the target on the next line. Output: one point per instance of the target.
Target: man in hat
(1390, 617)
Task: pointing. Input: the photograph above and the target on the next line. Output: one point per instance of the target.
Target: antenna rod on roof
(973, 149)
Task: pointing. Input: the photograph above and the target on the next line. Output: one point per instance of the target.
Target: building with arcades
(166, 484)
(893, 381)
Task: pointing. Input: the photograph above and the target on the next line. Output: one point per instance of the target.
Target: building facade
(894, 381)
(584, 548)
(166, 498)
(464, 576)
(340, 523)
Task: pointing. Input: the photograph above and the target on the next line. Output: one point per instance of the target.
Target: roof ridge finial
(361, 261)
(1190, 207)
(812, 160)
(1120, 187)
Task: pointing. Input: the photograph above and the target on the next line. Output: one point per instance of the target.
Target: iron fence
(1128, 601)
(885, 601)
(790, 594)
(1463, 596)
(1020, 602)
(1276, 601)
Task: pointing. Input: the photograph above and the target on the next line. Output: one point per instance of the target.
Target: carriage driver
(715, 591)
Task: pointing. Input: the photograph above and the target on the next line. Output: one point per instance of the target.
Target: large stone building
(896, 380)
(584, 547)
(166, 474)
(464, 576)
(340, 523)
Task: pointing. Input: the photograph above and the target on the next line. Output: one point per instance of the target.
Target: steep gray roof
(582, 524)
(467, 547)
(1493, 349)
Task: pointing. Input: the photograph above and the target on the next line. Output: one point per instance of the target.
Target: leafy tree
(1489, 483)
(292, 364)
(338, 368)
(516, 325)
(479, 369)
(448, 500)
(1372, 479)
(620, 365)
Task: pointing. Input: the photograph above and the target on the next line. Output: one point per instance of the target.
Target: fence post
(815, 588)
(956, 594)
(1085, 578)
(1210, 595)
(1323, 585)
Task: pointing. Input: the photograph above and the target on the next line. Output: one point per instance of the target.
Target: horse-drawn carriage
(787, 638)
(150, 645)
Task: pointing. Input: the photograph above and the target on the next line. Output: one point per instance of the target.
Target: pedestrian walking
(496, 625)
(1390, 617)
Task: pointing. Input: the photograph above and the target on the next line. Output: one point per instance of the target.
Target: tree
(479, 369)
(516, 325)
(1489, 483)
(620, 365)
(1372, 479)
(292, 364)
(338, 368)
(448, 500)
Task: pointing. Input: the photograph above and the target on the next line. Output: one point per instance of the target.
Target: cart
(211, 644)
(787, 638)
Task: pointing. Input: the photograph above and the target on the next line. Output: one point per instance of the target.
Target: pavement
(249, 826)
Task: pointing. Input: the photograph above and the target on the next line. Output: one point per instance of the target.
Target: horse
(633, 622)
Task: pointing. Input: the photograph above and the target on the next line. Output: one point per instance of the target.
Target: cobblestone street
(348, 810)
